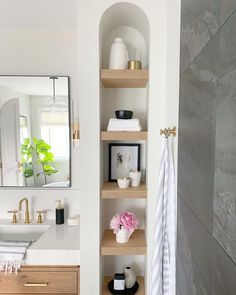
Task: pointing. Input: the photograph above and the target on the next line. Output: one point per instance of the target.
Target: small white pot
(123, 182)
(122, 236)
(135, 178)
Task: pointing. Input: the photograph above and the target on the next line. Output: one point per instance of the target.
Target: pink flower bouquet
(126, 220)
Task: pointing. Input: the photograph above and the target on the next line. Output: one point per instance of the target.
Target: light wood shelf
(124, 78)
(110, 190)
(141, 289)
(136, 245)
(124, 135)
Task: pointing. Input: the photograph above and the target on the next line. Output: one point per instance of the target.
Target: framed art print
(123, 157)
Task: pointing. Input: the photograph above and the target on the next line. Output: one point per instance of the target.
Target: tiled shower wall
(206, 254)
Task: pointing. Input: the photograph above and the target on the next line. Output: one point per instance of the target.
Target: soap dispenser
(59, 213)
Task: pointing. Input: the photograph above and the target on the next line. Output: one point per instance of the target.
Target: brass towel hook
(168, 131)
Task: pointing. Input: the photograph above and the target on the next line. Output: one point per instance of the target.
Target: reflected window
(55, 131)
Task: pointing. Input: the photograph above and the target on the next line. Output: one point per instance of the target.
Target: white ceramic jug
(122, 236)
(118, 55)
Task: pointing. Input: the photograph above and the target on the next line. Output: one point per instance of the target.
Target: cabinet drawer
(39, 282)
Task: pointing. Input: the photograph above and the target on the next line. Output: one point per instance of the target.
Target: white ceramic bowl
(123, 182)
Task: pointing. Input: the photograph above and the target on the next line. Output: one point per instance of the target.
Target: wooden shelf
(141, 289)
(124, 135)
(136, 245)
(124, 78)
(110, 190)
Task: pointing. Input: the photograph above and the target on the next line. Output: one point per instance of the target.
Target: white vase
(135, 178)
(130, 277)
(118, 55)
(122, 236)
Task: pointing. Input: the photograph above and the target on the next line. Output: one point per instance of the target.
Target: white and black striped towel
(12, 254)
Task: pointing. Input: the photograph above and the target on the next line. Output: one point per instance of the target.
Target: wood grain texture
(136, 245)
(124, 78)
(141, 290)
(60, 280)
(124, 135)
(110, 190)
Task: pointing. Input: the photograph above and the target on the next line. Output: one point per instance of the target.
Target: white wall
(40, 38)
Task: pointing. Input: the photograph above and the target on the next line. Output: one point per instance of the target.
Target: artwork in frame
(123, 157)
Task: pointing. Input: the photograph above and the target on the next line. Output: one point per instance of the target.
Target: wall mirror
(34, 131)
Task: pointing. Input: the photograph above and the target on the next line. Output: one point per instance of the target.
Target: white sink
(22, 232)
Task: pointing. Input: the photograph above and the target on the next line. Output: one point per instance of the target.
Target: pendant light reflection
(53, 78)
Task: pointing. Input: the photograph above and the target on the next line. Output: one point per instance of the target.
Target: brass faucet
(27, 217)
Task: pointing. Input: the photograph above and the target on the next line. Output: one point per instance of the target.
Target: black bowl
(124, 114)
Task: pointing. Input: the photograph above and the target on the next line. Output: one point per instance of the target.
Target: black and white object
(59, 213)
(119, 282)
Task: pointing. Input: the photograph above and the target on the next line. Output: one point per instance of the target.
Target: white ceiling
(35, 85)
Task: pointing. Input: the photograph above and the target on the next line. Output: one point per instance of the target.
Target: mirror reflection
(34, 131)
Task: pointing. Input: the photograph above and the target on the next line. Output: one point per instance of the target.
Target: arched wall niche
(128, 21)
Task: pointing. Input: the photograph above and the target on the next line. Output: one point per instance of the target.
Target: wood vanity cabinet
(41, 280)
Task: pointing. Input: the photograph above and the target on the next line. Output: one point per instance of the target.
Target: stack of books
(124, 125)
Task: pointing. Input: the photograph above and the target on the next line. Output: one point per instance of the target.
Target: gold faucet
(27, 217)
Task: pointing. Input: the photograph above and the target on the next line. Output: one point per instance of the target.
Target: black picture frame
(131, 153)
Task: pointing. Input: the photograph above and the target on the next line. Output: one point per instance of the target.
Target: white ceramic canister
(130, 277)
(122, 236)
(135, 177)
(118, 55)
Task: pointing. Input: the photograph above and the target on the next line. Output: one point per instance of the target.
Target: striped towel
(12, 254)
(163, 257)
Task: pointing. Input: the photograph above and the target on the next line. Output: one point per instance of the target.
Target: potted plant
(40, 153)
(123, 225)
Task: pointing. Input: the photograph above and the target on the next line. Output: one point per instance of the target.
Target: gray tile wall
(203, 268)
(206, 248)
(224, 217)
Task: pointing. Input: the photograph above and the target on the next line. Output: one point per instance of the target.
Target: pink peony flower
(115, 223)
(129, 221)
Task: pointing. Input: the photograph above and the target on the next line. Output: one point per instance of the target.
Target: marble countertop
(57, 245)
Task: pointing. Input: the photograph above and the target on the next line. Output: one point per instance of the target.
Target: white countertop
(58, 245)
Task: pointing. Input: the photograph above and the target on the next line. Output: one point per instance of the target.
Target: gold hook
(168, 131)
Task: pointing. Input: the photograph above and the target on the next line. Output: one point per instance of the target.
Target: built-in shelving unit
(135, 246)
(110, 190)
(140, 280)
(125, 90)
(124, 135)
(124, 78)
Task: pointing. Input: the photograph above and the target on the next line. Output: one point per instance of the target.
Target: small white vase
(122, 236)
(118, 55)
(135, 178)
(130, 277)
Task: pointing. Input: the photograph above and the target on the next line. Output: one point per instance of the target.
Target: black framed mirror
(35, 146)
